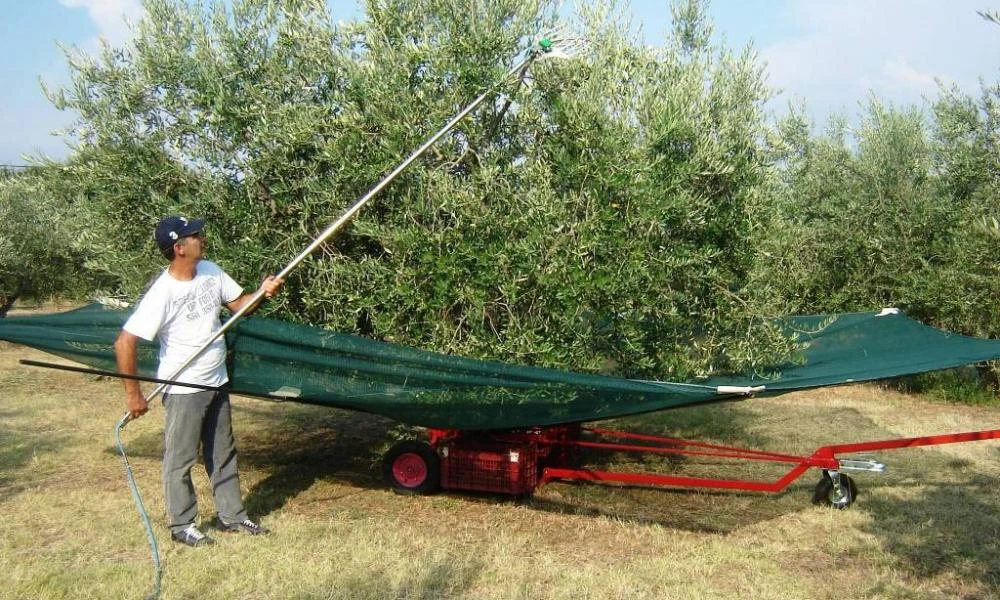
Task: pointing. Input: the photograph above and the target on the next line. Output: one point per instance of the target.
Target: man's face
(191, 246)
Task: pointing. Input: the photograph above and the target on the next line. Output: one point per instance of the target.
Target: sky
(831, 55)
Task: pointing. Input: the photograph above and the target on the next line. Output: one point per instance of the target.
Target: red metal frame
(555, 445)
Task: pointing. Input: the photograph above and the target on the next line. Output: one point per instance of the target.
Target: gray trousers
(201, 418)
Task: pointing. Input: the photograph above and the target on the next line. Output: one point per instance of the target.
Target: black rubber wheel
(824, 492)
(412, 467)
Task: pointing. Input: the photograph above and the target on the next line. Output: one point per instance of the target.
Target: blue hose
(142, 511)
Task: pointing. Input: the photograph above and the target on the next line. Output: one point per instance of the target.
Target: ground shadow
(301, 445)
(444, 577)
(147, 444)
(698, 511)
(313, 444)
(310, 444)
(18, 448)
(298, 446)
(948, 527)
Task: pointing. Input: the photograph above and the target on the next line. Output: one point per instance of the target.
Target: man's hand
(136, 404)
(271, 285)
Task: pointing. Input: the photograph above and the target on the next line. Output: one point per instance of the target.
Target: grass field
(929, 528)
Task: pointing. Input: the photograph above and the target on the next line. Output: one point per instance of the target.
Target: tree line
(630, 210)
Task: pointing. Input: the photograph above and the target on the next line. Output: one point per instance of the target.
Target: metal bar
(801, 464)
(256, 298)
(823, 458)
(735, 453)
(118, 374)
(914, 442)
(694, 444)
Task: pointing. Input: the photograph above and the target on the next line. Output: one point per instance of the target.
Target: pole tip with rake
(560, 43)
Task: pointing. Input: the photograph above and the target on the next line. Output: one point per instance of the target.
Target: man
(182, 307)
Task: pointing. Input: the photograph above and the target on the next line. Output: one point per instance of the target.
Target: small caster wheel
(826, 493)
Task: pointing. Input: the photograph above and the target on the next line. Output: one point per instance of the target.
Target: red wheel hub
(409, 469)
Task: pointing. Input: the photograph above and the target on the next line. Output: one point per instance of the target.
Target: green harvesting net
(279, 360)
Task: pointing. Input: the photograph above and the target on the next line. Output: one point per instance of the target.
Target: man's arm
(125, 352)
(270, 286)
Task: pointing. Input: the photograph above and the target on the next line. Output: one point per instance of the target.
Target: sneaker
(192, 536)
(246, 525)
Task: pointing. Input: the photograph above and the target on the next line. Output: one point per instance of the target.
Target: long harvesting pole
(545, 45)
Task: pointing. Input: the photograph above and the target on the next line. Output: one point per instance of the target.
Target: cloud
(834, 54)
(900, 75)
(110, 16)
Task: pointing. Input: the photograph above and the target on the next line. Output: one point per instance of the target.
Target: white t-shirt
(185, 315)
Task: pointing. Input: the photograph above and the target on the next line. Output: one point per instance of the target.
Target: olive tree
(894, 213)
(39, 256)
(600, 213)
(855, 211)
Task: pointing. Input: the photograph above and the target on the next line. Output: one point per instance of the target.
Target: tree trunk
(6, 303)
(989, 374)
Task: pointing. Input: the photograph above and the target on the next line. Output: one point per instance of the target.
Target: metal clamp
(868, 465)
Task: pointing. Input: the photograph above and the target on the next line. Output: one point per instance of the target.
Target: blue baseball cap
(173, 228)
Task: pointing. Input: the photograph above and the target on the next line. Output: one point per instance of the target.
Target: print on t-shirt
(200, 300)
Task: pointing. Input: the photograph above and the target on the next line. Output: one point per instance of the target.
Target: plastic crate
(498, 467)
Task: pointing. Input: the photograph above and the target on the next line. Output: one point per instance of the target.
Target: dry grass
(927, 529)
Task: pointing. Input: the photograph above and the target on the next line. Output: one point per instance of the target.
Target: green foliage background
(898, 213)
(628, 210)
(39, 254)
